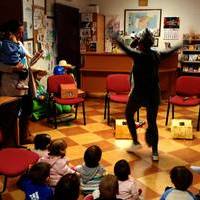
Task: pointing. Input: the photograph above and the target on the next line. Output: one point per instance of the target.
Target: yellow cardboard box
(181, 128)
(68, 91)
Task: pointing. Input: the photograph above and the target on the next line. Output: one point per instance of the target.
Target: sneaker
(21, 86)
(134, 147)
(155, 157)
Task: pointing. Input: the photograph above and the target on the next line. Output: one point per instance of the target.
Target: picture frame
(156, 41)
(28, 45)
(49, 7)
(40, 3)
(28, 19)
(136, 20)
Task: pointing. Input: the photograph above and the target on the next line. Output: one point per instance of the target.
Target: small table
(9, 120)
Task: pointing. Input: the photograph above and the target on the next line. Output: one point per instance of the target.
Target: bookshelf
(190, 59)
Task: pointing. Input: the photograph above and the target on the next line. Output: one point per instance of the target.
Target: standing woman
(9, 80)
(145, 90)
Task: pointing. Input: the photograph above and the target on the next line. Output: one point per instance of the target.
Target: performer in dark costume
(145, 87)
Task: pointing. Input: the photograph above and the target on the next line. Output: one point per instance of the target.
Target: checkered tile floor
(151, 177)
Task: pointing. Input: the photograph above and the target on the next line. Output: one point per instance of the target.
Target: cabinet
(97, 66)
(92, 33)
(190, 60)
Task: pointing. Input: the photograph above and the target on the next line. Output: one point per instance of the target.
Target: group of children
(52, 177)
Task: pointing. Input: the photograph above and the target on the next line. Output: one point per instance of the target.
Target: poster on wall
(171, 22)
(28, 44)
(49, 8)
(40, 3)
(171, 28)
(50, 44)
(28, 19)
(112, 25)
(39, 20)
(136, 20)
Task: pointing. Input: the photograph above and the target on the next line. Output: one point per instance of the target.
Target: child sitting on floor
(68, 187)
(58, 161)
(41, 143)
(34, 183)
(182, 179)
(128, 189)
(108, 188)
(91, 171)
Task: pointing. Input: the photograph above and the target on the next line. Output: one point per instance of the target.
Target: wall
(187, 10)
(74, 3)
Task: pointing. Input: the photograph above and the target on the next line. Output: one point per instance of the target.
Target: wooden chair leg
(105, 105)
(172, 111)
(55, 115)
(84, 119)
(76, 110)
(108, 112)
(167, 116)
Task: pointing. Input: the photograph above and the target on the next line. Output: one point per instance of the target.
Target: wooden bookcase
(92, 32)
(190, 59)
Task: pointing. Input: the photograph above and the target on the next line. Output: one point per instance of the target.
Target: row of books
(191, 57)
(191, 36)
(195, 47)
(191, 69)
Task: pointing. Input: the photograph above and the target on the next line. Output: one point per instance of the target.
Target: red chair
(14, 162)
(53, 89)
(117, 90)
(187, 94)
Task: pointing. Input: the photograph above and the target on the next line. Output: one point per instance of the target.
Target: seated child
(91, 171)
(13, 52)
(182, 179)
(34, 184)
(68, 187)
(108, 188)
(58, 161)
(41, 143)
(127, 185)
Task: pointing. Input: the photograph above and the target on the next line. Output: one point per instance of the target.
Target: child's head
(42, 141)
(108, 187)
(181, 177)
(39, 172)
(68, 187)
(122, 170)
(92, 156)
(57, 147)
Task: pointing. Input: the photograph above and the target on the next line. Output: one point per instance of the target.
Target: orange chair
(117, 90)
(187, 94)
(54, 91)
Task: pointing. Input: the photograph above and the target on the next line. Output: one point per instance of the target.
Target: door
(67, 27)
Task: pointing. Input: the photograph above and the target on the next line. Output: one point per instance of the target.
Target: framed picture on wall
(155, 42)
(28, 44)
(135, 20)
(40, 3)
(28, 19)
(49, 8)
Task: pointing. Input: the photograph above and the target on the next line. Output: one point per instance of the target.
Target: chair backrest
(188, 86)
(119, 83)
(54, 81)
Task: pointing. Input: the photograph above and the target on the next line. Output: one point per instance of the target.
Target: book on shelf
(193, 57)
